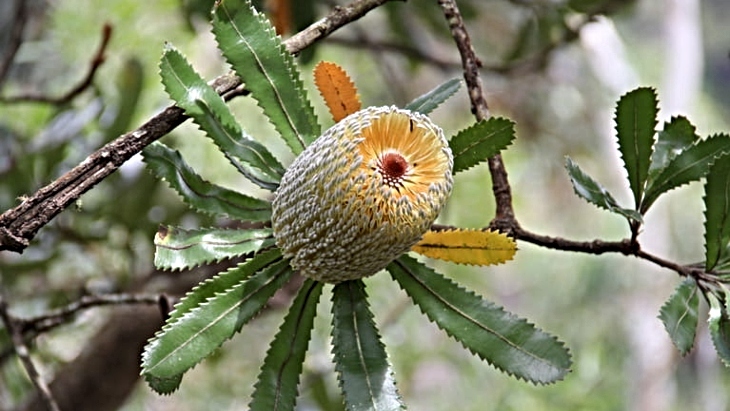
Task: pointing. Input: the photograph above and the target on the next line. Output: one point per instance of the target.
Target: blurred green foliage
(603, 307)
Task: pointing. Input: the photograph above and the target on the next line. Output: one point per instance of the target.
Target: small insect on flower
(362, 194)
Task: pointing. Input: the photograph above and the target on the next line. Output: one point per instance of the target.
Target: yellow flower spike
(473, 247)
(337, 90)
(362, 194)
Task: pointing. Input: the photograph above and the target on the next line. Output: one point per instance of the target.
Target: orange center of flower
(392, 166)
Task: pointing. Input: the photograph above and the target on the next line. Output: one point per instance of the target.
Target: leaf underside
(276, 385)
(588, 189)
(200, 194)
(679, 315)
(505, 341)
(365, 376)
(636, 122)
(177, 248)
(257, 54)
(192, 336)
(717, 214)
(677, 135)
(480, 141)
(461, 246)
(211, 113)
(426, 103)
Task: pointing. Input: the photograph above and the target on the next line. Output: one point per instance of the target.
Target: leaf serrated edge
(420, 103)
(229, 123)
(264, 258)
(612, 207)
(309, 289)
(519, 319)
(718, 169)
(722, 153)
(665, 307)
(714, 319)
(370, 319)
(639, 189)
(204, 211)
(292, 72)
(175, 314)
(265, 246)
(510, 124)
(286, 271)
(276, 169)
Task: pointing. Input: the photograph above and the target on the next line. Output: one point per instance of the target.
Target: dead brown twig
(21, 350)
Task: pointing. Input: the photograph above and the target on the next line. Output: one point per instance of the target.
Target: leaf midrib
(265, 72)
(179, 347)
(474, 321)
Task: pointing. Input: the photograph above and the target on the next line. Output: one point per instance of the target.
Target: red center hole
(394, 165)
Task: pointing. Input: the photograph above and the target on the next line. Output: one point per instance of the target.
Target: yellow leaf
(338, 91)
(474, 247)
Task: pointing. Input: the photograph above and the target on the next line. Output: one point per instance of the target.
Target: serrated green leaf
(276, 386)
(689, 165)
(677, 135)
(717, 214)
(719, 325)
(210, 112)
(179, 249)
(222, 282)
(200, 194)
(259, 57)
(480, 141)
(191, 337)
(588, 189)
(164, 385)
(428, 102)
(505, 341)
(679, 315)
(636, 123)
(365, 376)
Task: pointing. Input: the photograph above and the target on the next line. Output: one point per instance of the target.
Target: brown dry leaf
(338, 91)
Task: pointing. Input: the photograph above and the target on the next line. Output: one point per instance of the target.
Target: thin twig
(505, 216)
(31, 327)
(20, 224)
(16, 39)
(96, 61)
(21, 350)
(63, 315)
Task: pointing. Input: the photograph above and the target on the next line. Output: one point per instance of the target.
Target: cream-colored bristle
(337, 213)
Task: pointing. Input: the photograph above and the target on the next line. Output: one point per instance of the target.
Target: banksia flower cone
(362, 194)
